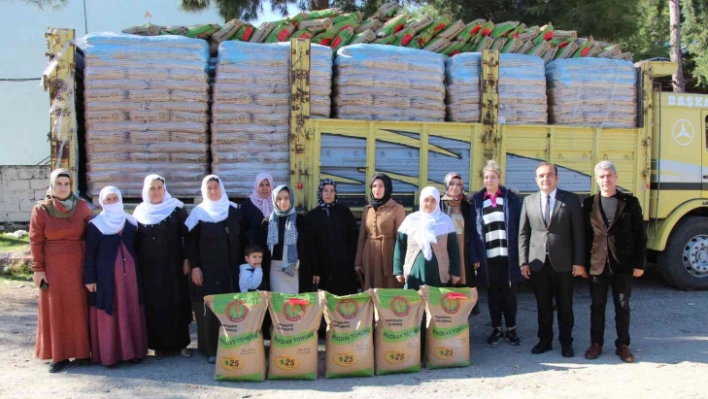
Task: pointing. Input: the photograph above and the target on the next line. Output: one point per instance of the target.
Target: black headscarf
(320, 201)
(388, 187)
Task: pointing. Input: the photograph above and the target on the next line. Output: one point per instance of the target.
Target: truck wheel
(684, 262)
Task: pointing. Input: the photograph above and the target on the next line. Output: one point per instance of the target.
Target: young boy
(251, 273)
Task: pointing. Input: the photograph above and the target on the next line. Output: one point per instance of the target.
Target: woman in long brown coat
(57, 230)
(377, 238)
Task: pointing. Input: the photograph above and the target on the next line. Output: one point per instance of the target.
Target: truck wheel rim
(695, 256)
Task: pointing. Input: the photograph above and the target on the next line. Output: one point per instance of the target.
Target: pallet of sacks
(375, 82)
(592, 92)
(146, 111)
(251, 110)
(522, 89)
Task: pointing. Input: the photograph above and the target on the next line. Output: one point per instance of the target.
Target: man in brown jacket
(616, 244)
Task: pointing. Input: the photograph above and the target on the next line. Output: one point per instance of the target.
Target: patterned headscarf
(320, 201)
(62, 208)
(289, 217)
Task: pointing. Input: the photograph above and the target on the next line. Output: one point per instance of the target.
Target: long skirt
(280, 281)
(122, 335)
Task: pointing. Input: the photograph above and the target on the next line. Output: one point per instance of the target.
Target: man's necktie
(547, 211)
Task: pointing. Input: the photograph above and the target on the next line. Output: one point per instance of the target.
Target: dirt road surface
(669, 340)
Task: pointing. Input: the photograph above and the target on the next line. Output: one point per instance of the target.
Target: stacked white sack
(522, 90)
(377, 82)
(593, 92)
(251, 110)
(147, 110)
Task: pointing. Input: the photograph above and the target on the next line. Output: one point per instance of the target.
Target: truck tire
(684, 261)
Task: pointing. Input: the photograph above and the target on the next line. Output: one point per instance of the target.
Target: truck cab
(678, 207)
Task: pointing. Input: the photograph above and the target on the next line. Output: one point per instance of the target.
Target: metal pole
(85, 19)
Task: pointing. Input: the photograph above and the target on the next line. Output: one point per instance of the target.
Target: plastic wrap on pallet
(462, 74)
(376, 82)
(522, 90)
(146, 111)
(593, 92)
(251, 111)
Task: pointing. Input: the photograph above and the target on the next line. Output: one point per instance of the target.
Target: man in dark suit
(551, 252)
(616, 244)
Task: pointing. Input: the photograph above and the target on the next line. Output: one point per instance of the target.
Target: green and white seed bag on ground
(350, 339)
(447, 332)
(240, 355)
(398, 314)
(293, 342)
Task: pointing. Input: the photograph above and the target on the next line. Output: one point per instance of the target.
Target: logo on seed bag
(294, 309)
(444, 353)
(395, 357)
(287, 363)
(231, 363)
(236, 311)
(450, 302)
(344, 359)
(348, 308)
(400, 306)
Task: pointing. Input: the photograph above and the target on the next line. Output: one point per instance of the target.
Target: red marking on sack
(564, 44)
(336, 42)
(456, 295)
(486, 32)
(247, 33)
(474, 30)
(439, 27)
(548, 36)
(284, 34)
(406, 39)
(455, 53)
(584, 52)
(398, 28)
(296, 301)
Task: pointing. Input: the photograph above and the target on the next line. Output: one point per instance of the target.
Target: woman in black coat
(214, 250)
(159, 246)
(255, 210)
(331, 238)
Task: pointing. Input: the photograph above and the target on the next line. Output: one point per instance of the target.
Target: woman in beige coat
(377, 238)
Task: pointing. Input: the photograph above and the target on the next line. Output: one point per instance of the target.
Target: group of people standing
(117, 284)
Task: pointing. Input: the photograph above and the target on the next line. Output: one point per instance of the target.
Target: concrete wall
(21, 186)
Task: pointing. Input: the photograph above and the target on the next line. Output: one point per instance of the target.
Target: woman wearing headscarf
(380, 221)
(463, 215)
(285, 243)
(427, 252)
(117, 314)
(331, 237)
(497, 229)
(254, 210)
(162, 262)
(57, 232)
(214, 250)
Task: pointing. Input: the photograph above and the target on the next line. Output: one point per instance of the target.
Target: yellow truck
(663, 161)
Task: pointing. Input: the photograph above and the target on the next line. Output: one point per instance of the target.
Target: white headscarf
(264, 204)
(425, 227)
(112, 218)
(148, 213)
(210, 211)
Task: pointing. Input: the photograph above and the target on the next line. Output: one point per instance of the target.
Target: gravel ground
(669, 332)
